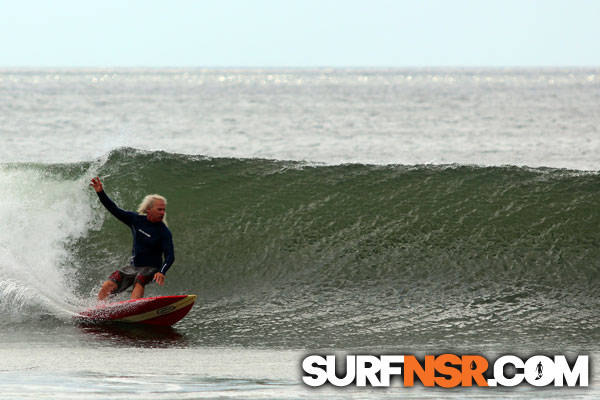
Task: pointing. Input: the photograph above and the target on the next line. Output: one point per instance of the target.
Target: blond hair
(148, 203)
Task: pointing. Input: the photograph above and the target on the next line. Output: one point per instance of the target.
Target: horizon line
(307, 67)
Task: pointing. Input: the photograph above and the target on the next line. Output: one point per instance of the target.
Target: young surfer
(151, 240)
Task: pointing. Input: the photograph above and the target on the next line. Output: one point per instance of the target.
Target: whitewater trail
(43, 214)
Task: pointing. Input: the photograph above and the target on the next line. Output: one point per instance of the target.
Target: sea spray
(42, 214)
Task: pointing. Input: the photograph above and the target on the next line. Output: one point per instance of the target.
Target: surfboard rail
(161, 310)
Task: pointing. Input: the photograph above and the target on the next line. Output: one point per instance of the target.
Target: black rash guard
(150, 239)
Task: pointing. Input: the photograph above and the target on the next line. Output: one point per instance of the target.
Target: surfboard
(162, 310)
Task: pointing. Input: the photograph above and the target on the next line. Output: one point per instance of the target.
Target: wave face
(292, 254)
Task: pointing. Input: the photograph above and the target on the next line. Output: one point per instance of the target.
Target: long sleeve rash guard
(150, 239)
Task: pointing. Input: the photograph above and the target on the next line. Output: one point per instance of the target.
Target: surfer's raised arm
(121, 215)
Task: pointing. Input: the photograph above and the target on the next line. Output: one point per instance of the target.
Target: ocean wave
(242, 222)
(311, 254)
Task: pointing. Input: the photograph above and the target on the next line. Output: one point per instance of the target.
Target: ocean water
(404, 211)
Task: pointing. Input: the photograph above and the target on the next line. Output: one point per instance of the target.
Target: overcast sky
(302, 33)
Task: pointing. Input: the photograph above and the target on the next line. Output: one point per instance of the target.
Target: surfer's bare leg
(107, 288)
(138, 291)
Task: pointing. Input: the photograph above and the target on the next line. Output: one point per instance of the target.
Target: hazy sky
(303, 33)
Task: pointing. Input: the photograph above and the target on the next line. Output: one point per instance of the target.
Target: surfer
(151, 240)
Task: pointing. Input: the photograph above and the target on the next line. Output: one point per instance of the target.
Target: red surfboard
(163, 310)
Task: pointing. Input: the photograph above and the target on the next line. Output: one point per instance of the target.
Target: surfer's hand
(96, 184)
(159, 278)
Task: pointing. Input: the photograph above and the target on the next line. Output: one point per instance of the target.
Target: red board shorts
(129, 275)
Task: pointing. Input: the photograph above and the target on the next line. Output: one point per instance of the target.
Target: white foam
(41, 214)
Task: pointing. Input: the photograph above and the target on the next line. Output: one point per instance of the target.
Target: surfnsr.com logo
(446, 370)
